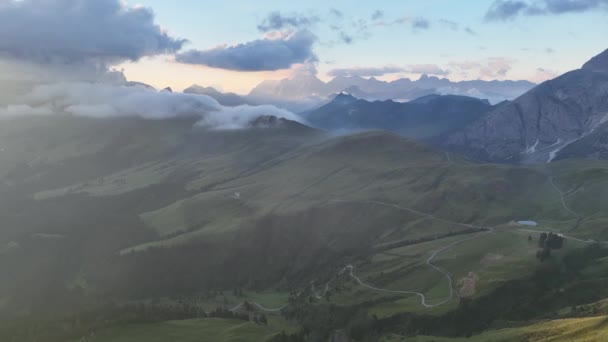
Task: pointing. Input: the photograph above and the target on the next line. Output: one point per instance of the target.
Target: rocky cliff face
(538, 125)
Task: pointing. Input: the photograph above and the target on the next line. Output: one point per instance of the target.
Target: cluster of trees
(548, 242)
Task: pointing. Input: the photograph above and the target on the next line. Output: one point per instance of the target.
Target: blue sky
(534, 47)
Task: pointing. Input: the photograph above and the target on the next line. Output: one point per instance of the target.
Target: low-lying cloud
(276, 51)
(430, 69)
(488, 69)
(99, 100)
(364, 71)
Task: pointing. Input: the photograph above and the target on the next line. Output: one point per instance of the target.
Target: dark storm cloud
(80, 31)
(510, 9)
(273, 52)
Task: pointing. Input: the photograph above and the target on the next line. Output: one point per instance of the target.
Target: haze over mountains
(306, 87)
(305, 92)
(361, 208)
(562, 118)
(428, 117)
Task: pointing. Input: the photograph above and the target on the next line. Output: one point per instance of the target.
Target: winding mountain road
(314, 291)
(417, 212)
(563, 195)
(429, 262)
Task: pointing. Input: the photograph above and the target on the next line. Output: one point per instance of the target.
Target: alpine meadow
(303, 171)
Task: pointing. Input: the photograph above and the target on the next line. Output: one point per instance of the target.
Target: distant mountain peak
(196, 87)
(343, 98)
(225, 99)
(273, 122)
(598, 63)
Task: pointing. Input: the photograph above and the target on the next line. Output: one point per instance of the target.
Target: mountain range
(562, 118)
(404, 89)
(425, 118)
(306, 92)
(225, 99)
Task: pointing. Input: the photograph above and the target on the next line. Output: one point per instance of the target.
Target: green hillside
(103, 217)
(570, 330)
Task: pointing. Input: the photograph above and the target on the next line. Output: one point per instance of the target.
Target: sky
(234, 45)
(458, 39)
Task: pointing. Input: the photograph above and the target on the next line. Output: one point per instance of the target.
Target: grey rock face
(598, 63)
(538, 125)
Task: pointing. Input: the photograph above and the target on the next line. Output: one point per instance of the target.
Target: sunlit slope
(563, 330)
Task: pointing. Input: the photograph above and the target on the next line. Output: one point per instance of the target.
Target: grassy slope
(200, 330)
(288, 188)
(374, 166)
(564, 330)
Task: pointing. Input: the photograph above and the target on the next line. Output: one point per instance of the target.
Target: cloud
(80, 31)
(336, 13)
(279, 21)
(100, 100)
(307, 69)
(421, 24)
(511, 9)
(505, 9)
(497, 67)
(431, 69)
(452, 25)
(417, 23)
(489, 69)
(21, 110)
(542, 75)
(365, 71)
(470, 31)
(377, 15)
(346, 38)
(566, 6)
(276, 51)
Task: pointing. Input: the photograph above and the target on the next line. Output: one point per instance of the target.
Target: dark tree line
(548, 242)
